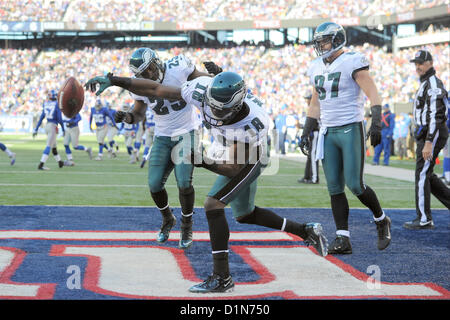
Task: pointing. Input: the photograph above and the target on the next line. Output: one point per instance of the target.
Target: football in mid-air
(71, 97)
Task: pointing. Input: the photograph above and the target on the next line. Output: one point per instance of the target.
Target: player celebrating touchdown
(238, 122)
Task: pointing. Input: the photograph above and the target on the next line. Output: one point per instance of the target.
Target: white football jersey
(173, 118)
(340, 97)
(252, 129)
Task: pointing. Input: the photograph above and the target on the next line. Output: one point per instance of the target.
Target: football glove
(122, 116)
(305, 145)
(103, 81)
(305, 141)
(119, 116)
(375, 128)
(212, 67)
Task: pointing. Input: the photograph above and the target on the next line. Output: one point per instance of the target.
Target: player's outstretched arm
(141, 87)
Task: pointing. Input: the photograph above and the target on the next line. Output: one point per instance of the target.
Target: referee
(312, 164)
(430, 115)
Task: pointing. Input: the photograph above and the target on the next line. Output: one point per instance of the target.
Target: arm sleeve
(435, 95)
(193, 94)
(90, 119)
(392, 124)
(108, 114)
(187, 66)
(60, 119)
(40, 120)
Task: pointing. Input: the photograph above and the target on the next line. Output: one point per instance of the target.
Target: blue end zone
(413, 257)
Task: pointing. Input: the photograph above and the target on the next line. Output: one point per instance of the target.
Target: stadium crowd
(276, 75)
(213, 10)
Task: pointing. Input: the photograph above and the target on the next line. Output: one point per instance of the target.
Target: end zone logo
(56, 264)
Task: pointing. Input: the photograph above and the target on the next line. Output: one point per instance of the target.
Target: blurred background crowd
(277, 75)
(214, 10)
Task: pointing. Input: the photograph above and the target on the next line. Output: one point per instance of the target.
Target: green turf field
(115, 182)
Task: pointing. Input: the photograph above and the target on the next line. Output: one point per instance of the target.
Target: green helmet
(224, 98)
(329, 31)
(144, 58)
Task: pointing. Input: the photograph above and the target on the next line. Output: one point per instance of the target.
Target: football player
(53, 114)
(129, 132)
(239, 126)
(339, 80)
(138, 139)
(99, 114)
(174, 121)
(112, 132)
(72, 136)
(149, 134)
(11, 155)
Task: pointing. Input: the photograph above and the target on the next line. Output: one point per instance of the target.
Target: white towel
(319, 150)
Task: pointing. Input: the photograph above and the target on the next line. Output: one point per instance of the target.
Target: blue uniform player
(99, 114)
(129, 132)
(113, 130)
(387, 131)
(149, 134)
(53, 115)
(72, 136)
(10, 154)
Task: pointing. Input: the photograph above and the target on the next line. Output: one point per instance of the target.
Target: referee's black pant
(312, 165)
(427, 182)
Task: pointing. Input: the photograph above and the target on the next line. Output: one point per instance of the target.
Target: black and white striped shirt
(430, 111)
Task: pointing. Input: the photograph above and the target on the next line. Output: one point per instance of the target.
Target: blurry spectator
(401, 132)
(291, 130)
(311, 174)
(280, 125)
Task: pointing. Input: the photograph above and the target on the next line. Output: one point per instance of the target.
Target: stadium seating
(277, 75)
(215, 10)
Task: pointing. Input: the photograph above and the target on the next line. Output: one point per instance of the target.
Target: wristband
(119, 81)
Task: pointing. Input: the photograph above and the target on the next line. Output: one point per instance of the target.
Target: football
(71, 97)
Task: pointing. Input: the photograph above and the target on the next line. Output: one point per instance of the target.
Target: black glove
(119, 116)
(122, 116)
(305, 140)
(375, 128)
(212, 67)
